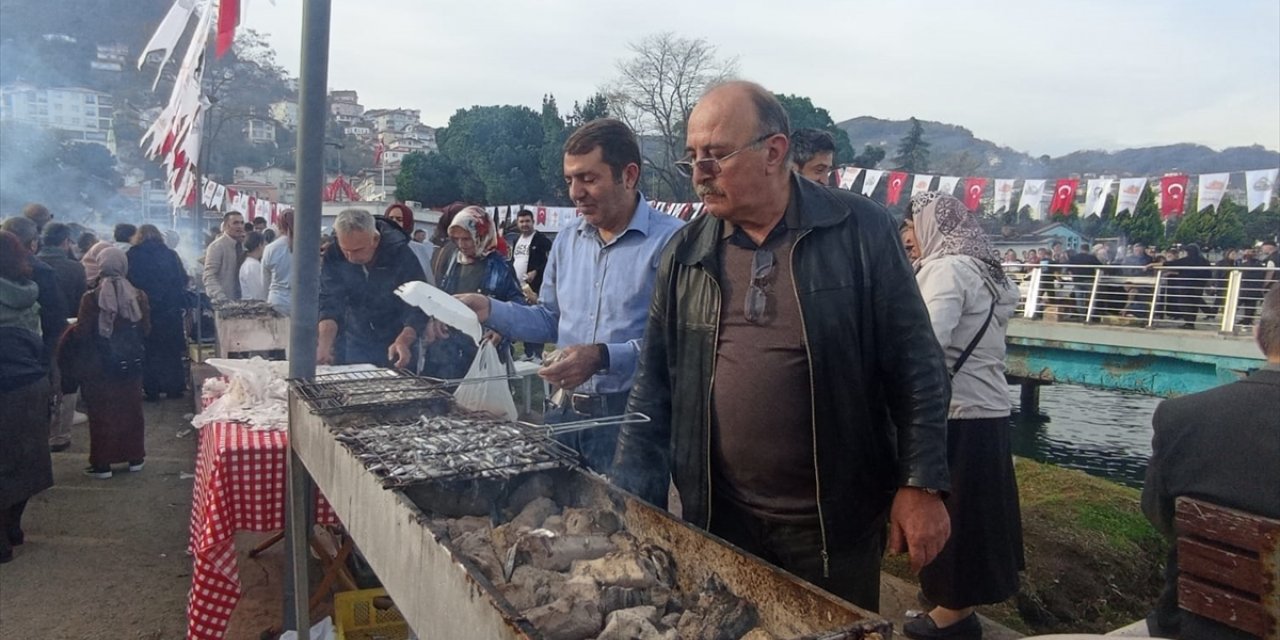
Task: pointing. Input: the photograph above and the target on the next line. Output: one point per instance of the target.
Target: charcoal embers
(576, 573)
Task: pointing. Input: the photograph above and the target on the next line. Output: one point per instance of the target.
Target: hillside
(954, 150)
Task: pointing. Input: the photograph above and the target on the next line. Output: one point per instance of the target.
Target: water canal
(1103, 433)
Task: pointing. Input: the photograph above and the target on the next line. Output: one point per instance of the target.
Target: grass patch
(1093, 560)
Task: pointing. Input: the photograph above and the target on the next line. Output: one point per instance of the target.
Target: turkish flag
(1173, 191)
(973, 191)
(896, 180)
(228, 18)
(1063, 195)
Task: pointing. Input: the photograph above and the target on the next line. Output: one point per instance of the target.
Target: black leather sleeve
(917, 387)
(642, 464)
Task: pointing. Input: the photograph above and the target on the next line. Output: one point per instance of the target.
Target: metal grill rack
(381, 389)
(452, 447)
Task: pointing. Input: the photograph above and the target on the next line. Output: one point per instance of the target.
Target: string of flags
(1173, 190)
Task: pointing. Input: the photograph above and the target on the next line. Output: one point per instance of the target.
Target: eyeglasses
(711, 164)
(756, 303)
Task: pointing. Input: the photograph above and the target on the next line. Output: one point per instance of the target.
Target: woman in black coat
(157, 271)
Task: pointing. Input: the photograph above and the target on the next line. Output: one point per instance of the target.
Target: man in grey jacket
(222, 260)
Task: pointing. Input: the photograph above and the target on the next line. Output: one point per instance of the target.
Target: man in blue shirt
(596, 287)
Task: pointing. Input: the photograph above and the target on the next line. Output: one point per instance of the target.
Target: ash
(246, 309)
(576, 573)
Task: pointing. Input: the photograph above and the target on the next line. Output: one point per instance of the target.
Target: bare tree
(655, 91)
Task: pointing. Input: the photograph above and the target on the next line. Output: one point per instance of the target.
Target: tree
(498, 151)
(1212, 229)
(71, 178)
(554, 134)
(1262, 224)
(804, 115)
(429, 178)
(593, 108)
(869, 158)
(240, 86)
(655, 91)
(1143, 225)
(913, 151)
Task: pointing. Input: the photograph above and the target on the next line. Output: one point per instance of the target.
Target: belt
(595, 404)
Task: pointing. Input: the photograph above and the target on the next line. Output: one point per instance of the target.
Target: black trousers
(11, 524)
(853, 567)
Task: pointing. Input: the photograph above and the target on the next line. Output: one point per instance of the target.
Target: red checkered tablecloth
(239, 486)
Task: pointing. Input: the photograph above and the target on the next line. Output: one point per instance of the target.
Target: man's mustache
(703, 190)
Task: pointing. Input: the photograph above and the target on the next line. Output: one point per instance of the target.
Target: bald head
(737, 140)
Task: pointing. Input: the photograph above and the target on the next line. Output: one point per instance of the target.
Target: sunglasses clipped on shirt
(756, 303)
(710, 165)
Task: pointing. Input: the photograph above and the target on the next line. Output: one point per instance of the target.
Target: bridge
(1149, 331)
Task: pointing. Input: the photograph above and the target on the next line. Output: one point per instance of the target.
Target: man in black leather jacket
(786, 339)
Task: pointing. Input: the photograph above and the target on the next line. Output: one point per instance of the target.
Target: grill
(377, 389)
(468, 521)
(451, 447)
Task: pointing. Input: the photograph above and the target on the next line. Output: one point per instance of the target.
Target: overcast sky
(1041, 77)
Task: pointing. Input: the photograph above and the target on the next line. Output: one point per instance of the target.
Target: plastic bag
(491, 396)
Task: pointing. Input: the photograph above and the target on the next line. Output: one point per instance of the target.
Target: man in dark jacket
(529, 251)
(55, 251)
(1221, 446)
(1186, 288)
(786, 339)
(361, 270)
(53, 305)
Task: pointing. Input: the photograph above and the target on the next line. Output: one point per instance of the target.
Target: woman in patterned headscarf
(970, 301)
(476, 268)
(114, 400)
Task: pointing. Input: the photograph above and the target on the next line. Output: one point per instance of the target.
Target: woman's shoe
(136, 466)
(924, 628)
(101, 473)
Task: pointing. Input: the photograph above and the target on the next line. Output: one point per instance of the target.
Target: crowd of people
(1194, 285)
(881, 344)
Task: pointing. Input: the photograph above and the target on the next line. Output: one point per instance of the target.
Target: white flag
(1004, 194)
(870, 180)
(1130, 191)
(1095, 197)
(1032, 196)
(947, 184)
(921, 183)
(1212, 186)
(847, 176)
(1259, 185)
(210, 192)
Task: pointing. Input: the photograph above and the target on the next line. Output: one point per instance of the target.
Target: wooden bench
(1229, 566)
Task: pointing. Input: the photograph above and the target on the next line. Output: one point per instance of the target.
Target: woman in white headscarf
(113, 320)
(970, 301)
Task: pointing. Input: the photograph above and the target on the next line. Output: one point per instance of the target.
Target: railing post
(1093, 295)
(1231, 302)
(1033, 293)
(1155, 296)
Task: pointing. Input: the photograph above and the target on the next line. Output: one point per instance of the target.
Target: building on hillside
(345, 106)
(417, 137)
(393, 120)
(394, 155)
(378, 186)
(1042, 238)
(260, 131)
(111, 57)
(356, 130)
(285, 113)
(83, 115)
(284, 181)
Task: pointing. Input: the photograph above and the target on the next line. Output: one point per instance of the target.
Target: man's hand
(576, 366)
(492, 337)
(400, 353)
(478, 303)
(324, 354)
(919, 525)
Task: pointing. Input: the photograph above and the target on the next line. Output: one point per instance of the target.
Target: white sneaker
(136, 467)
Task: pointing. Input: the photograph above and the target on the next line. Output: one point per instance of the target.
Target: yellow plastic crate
(356, 616)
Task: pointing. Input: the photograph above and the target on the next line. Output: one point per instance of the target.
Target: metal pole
(305, 290)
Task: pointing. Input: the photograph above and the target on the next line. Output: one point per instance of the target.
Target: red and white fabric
(239, 486)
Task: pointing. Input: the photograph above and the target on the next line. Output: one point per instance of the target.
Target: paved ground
(107, 558)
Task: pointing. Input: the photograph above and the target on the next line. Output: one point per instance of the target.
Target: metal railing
(1157, 297)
